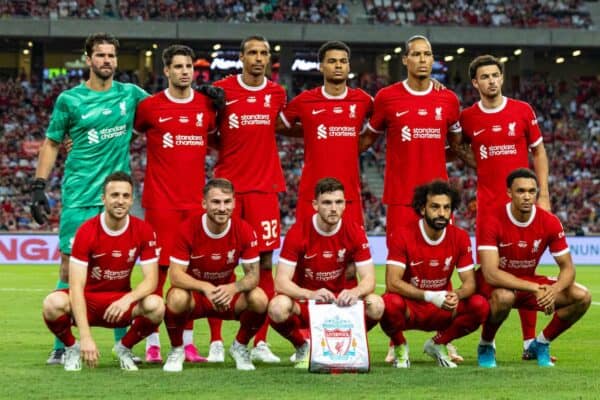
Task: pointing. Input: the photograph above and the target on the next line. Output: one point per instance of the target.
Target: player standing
(103, 255)
(206, 251)
(249, 158)
(419, 294)
(315, 254)
(510, 247)
(502, 131)
(177, 122)
(98, 117)
(418, 120)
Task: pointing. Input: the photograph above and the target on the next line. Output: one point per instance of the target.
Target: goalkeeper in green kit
(97, 116)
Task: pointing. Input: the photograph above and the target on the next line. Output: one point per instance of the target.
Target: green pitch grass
(25, 342)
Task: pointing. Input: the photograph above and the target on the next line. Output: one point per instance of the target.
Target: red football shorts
(261, 211)
(398, 216)
(166, 225)
(203, 308)
(525, 300)
(97, 303)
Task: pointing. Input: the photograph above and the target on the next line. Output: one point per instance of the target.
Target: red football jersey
(321, 258)
(176, 139)
(248, 154)
(500, 139)
(211, 257)
(110, 255)
(521, 244)
(416, 125)
(331, 125)
(429, 264)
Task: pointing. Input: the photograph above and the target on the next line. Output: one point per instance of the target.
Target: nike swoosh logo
(98, 255)
(228, 103)
(270, 242)
(414, 263)
(86, 116)
(505, 244)
(161, 119)
(399, 114)
(196, 257)
(309, 257)
(476, 133)
(315, 112)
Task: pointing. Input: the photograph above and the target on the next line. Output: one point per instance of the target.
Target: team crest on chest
(267, 103)
(536, 245)
(199, 118)
(352, 111)
(341, 255)
(447, 263)
(123, 107)
(231, 256)
(131, 254)
(511, 128)
(438, 113)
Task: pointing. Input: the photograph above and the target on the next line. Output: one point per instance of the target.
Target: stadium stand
(487, 13)
(569, 113)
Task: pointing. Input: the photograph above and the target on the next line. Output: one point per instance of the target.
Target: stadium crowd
(315, 12)
(490, 13)
(569, 115)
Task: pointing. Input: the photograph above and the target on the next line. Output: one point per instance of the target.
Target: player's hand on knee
(116, 310)
(40, 208)
(347, 297)
(450, 301)
(323, 296)
(435, 297)
(89, 352)
(546, 298)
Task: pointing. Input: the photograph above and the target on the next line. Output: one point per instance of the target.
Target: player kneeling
(203, 260)
(312, 264)
(104, 253)
(511, 245)
(419, 294)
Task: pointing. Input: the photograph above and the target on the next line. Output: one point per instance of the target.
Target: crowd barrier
(43, 249)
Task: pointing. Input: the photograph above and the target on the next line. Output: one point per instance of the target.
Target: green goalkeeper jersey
(100, 125)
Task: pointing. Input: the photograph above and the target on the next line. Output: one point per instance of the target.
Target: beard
(103, 74)
(438, 223)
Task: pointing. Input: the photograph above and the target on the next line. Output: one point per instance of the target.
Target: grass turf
(25, 342)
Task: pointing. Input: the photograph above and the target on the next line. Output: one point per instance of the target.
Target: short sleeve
(377, 121)
(148, 250)
(291, 113)
(249, 251)
(82, 246)
(60, 120)
(397, 250)
(292, 247)
(465, 253)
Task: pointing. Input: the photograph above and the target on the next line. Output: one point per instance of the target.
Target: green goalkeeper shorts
(70, 220)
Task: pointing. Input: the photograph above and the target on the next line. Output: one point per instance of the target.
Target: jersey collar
(416, 92)
(180, 101)
(519, 223)
(492, 110)
(252, 88)
(426, 238)
(214, 235)
(322, 233)
(109, 231)
(331, 97)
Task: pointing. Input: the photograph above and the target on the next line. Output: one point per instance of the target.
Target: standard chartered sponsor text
(108, 133)
(189, 140)
(502, 150)
(426, 133)
(342, 131)
(256, 119)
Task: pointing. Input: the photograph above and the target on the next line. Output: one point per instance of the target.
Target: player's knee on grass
(153, 308)
(55, 305)
(375, 306)
(178, 300)
(280, 308)
(257, 300)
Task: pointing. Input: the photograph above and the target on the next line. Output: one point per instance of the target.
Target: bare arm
(566, 277)
(467, 288)
(223, 294)
(366, 140)
(492, 273)
(461, 148)
(284, 284)
(77, 279)
(293, 131)
(147, 286)
(540, 166)
(47, 158)
(179, 278)
(395, 284)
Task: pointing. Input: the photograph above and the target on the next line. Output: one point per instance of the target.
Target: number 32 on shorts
(270, 229)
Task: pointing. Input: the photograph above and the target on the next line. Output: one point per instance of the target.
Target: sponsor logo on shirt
(307, 257)
(505, 244)
(251, 99)
(96, 273)
(479, 132)
(106, 111)
(496, 151)
(401, 113)
(338, 110)
(327, 254)
(420, 133)
(422, 112)
(98, 255)
(116, 253)
(228, 103)
(434, 263)
(165, 119)
(315, 112)
(496, 128)
(87, 115)
(236, 121)
(184, 119)
(215, 256)
(167, 140)
(415, 263)
(522, 244)
(95, 136)
(323, 132)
